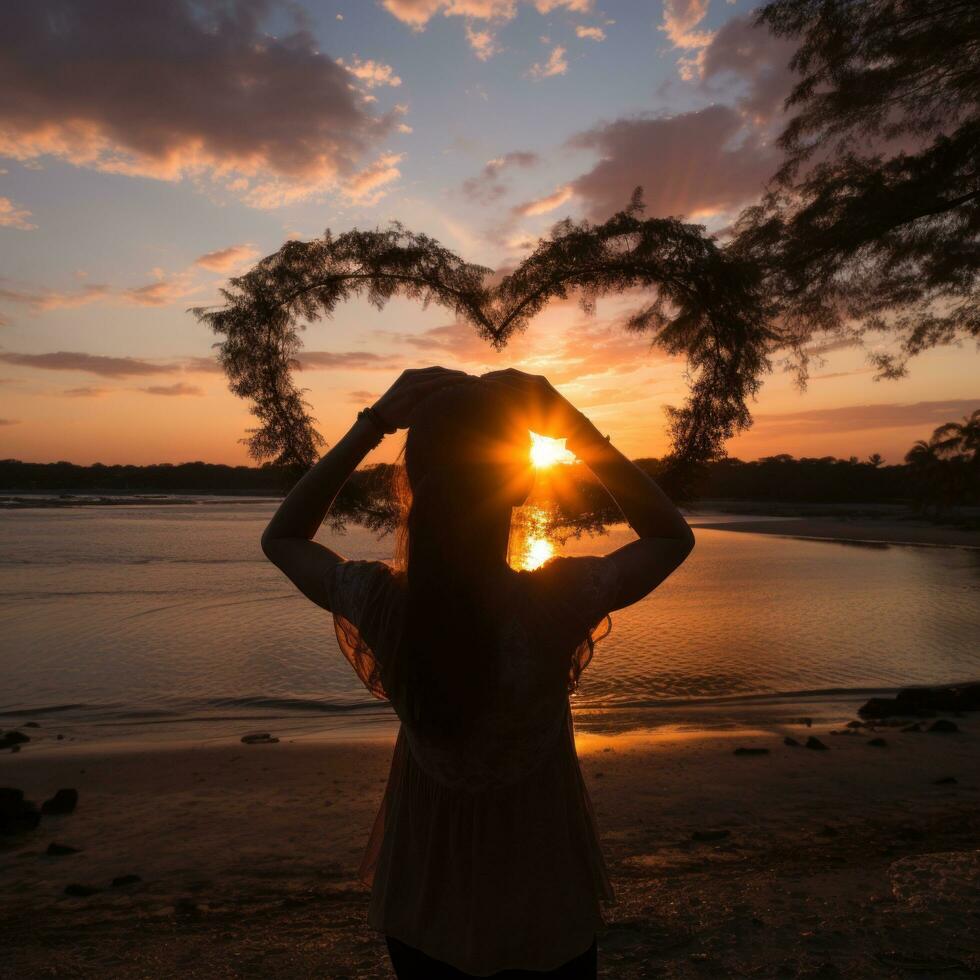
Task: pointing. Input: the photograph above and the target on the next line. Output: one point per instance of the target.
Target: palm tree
(946, 469)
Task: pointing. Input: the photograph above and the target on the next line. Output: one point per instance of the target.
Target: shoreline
(834, 863)
(51, 730)
(869, 531)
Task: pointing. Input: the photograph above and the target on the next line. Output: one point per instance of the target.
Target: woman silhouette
(484, 859)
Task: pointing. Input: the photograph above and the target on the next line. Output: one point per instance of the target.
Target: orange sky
(132, 189)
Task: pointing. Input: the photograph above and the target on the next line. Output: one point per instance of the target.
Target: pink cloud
(851, 418)
(543, 205)
(14, 216)
(169, 90)
(177, 389)
(487, 186)
(680, 19)
(101, 364)
(557, 64)
(418, 13)
(688, 164)
(41, 301)
(225, 259)
(758, 58)
(312, 360)
(371, 73)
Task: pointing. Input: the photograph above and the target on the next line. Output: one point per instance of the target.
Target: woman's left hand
(399, 402)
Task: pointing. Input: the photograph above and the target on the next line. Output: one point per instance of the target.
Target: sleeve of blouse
(590, 583)
(359, 593)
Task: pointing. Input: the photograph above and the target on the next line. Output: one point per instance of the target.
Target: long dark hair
(466, 465)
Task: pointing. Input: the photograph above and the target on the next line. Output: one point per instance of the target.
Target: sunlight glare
(539, 550)
(546, 452)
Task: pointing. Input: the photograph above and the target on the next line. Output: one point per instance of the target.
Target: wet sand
(849, 862)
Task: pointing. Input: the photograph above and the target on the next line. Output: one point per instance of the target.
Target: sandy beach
(857, 529)
(860, 860)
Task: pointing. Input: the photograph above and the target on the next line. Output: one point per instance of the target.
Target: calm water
(167, 620)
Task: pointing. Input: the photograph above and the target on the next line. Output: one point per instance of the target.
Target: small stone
(64, 801)
(259, 738)
(789, 740)
(17, 815)
(59, 736)
(829, 831)
(31, 724)
(943, 725)
(7, 739)
(80, 891)
(705, 835)
(914, 727)
(814, 743)
(58, 850)
(945, 781)
(121, 880)
(880, 742)
(855, 724)
(751, 751)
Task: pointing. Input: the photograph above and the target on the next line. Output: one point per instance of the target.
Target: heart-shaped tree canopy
(700, 302)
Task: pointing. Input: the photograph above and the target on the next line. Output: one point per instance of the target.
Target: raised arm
(665, 538)
(287, 540)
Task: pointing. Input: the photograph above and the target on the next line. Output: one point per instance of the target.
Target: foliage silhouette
(872, 224)
(945, 469)
(702, 303)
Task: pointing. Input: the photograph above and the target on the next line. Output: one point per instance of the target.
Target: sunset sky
(150, 150)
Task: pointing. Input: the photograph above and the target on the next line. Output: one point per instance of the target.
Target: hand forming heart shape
(704, 303)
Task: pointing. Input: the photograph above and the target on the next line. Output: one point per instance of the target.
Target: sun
(546, 452)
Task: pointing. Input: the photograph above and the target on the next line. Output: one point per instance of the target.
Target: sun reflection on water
(530, 546)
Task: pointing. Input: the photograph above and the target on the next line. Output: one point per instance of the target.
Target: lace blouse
(485, 853)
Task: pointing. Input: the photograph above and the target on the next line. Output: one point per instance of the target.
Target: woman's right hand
(550, 413)
(413, 386)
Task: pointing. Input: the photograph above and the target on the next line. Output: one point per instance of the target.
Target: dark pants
(412, 964)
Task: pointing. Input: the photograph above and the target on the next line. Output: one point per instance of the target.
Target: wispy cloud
(590, 33)
(418, 13)
(488, 185)
(483, 43)
(177, 389)
(324, 360)
(163, 292)
(42, 300)
(369, 185)
(851, 418)
(543, 205)
(87, 392)
(226, 259)
(680, 19)
(555, 65)
(101, 364)
(371, 73)
(14, 216)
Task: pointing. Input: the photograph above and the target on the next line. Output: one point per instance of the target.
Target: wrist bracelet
(374, 417)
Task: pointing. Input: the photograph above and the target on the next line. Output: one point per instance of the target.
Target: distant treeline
(19, 477)
(826, 480)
